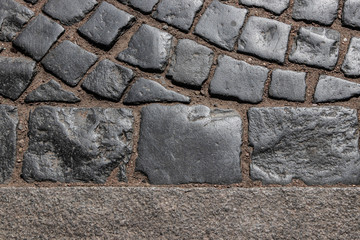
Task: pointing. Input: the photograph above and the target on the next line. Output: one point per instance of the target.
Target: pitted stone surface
(239, 80)
(38, 37)
(317, 47)
(275, 6)
(191, 63)
(109, 80)
(288, 85)
(320, 11)
(8, 124)
(351, 64)
(51, 92)
(316, 145)
(220, 24)
(178, 13)
(144, 6)
(69, 62)
(182, 144)
(265, 38)
(77, 144)
(351, 11)
(106, 25)
(147, 91)
(16, 75)
(69, 12)
(149, 49)
(13, 16)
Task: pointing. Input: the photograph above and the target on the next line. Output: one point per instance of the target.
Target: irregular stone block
(351, 64)
(51, 92)
(38, 37)
(320, 11)
(277, 6)
(144, 6)
(77, 144)
(315, 145)
(69, 62)
(350, 15)
(147, 91)
(69, 12)
(8, 124)
(191, 63)
(182, 144)
(113, 22)
(178, 13)
(239, 80)
(16, 75)
(265, 38)
(149, 48)
(109, 80)
(220, 24)
(318, 47)
(288, 85)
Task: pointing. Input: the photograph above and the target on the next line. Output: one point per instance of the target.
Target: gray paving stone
(51, 92)
(350, 15)
(109, 80)
(13, 16)
(189, 144)
(69, 62)
(318, 47)
(320, 11)
(77, 144)
(106, 25)
(31, 1)
(220, 24)
(144, 6)
(351, 64)
(149, 48)
(265, 38)
(38, 37)
(178, 13)
(315, 145)
(8, 125)
(147, 91)
(191, 63)
(239, 80)
(275, 6)
(69, 12)
(16, 75)
(288, 85)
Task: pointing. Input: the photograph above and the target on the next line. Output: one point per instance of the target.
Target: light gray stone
(275, 6)
(351, 64)
(77, 144)
(220, 24)
(350, 15)
(239, 80)
(144, 6)
(316, 145)
(189, 144)
(191, 63)
(318, 47)
(320, 11)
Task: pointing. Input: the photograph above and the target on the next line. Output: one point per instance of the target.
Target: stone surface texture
(144, 6)
(320, 11)
(351, 64)
(350, 15)
(275, 6)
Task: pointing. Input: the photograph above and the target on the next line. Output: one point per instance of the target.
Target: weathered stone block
(275, 6)
(320, 11)
(144, 6)
(351, 64)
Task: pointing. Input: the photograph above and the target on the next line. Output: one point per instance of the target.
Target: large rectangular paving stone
(316, 145)
(275, 6)
(320, 11)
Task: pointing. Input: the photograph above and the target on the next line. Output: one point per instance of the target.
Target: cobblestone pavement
(133, 92)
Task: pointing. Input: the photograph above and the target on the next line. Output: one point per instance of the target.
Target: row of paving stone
(185, 144)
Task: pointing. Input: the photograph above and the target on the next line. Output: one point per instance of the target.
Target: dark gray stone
(8, 124)
(13, 16)
(220, 24)
(191, 63)
(69, 12)
(16, 75)
(178, 13)
(351, 13)
(77, 144)
(275, 6)
(318, 47)
(320, 11)
(239, 80)
(351, 64)
(265, 38)
(51, 92)
(331, 89)
(106, 25)
(109, 80)
(38, 37)
(147, 91)
(315, 145)
(69, 62)
(189, 144)
(149, 48)
(288, 85)
(144, 6)
(31, 1)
